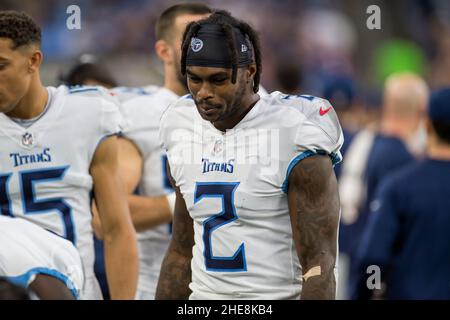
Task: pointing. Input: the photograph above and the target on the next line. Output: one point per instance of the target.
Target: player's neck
(32, 104)
(172, 83)
(247, 104)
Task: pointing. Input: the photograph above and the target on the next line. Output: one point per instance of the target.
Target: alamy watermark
(221, 152)
(374, 20)
(373, 282)
(73, 21)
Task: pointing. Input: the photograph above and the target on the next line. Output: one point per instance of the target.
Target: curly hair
(227, 22)
(20, 28)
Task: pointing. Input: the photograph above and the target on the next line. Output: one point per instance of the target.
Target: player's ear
(163, 50)
(250, 72)
(35, 58)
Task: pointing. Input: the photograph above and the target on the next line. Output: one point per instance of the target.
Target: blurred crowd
(307, 45)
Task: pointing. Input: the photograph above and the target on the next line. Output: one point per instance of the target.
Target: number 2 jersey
(44, 169)
(235, 187)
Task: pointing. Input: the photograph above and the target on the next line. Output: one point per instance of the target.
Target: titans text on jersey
(44, 168)
(235, 187)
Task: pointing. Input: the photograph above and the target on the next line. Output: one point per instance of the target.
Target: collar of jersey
(11, 129)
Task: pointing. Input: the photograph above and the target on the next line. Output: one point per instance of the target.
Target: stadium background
(312, 41)
(311, 47)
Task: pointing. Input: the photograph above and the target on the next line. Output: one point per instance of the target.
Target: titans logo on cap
(196, 44)
(210, 48)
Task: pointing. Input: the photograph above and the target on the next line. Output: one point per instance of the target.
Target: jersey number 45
(31, 205)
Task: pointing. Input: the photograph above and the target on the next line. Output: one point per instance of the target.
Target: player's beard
(231, 104)
(236, 103)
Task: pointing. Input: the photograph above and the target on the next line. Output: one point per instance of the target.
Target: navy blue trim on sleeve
(335, 159)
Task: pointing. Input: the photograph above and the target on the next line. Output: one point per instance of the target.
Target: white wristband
(171, 197)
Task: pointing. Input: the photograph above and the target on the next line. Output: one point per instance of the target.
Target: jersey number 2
(225, 191)
(31, 205)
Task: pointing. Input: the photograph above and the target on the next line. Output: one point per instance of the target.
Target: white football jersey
(28, 250)
(44, 169)
(235, 187)
(142, 109)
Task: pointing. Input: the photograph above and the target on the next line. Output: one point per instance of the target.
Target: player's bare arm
(314, 210)
(175, 273)
(119, 236)
(146, 212)
(50, 288)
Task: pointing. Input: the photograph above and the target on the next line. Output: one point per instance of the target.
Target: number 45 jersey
(44, 169)
(235, 187)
